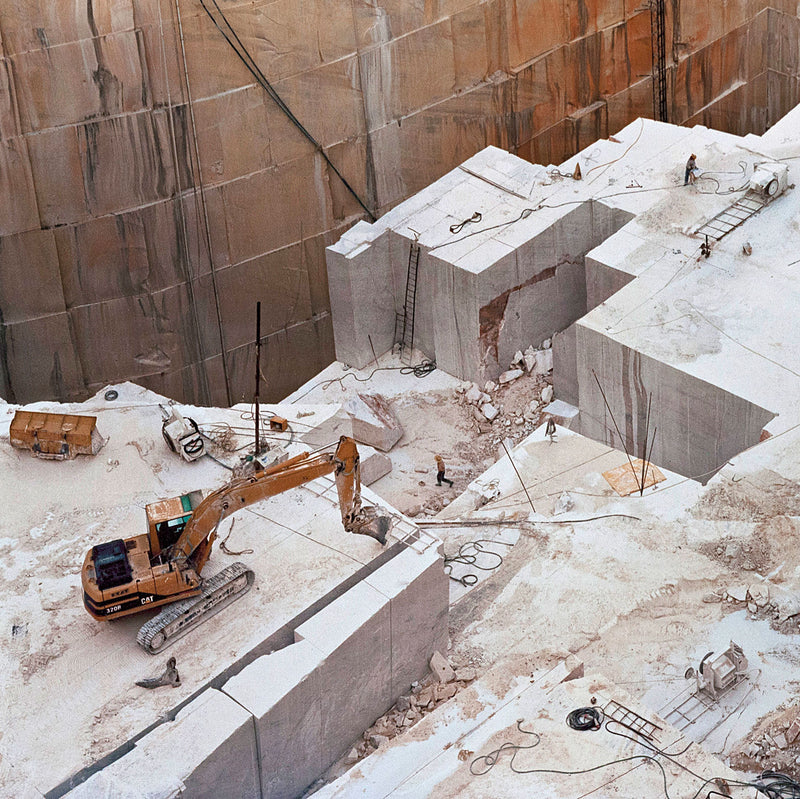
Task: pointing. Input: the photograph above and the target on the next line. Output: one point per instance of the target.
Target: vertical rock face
(152, 190)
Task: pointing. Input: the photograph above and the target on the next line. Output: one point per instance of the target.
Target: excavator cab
(167, 518)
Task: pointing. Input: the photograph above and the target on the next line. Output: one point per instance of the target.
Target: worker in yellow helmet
(440, 478)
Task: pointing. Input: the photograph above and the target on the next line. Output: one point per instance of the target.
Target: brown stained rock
(374, 421)
(445, 691)
(794, 730)
(441, 669)
(426, 697)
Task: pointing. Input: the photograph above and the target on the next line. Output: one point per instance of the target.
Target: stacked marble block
(272, 729)
(481, 296)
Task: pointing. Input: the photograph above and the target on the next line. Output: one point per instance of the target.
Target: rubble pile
(781, 607)
(776, 748)
(513, 404)
(442, 683)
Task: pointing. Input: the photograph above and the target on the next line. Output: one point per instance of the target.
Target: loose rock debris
(441, 684)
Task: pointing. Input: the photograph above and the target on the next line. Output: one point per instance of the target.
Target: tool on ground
(169, 676)
(164, 565)
(182, 434)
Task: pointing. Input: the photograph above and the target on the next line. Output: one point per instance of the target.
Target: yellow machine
(55, 436)
(164, 565)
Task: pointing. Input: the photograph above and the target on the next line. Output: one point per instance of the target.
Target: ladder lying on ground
(733, 216)
(404, 322)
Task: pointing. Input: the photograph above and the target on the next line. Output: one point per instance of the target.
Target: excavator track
(179, 618)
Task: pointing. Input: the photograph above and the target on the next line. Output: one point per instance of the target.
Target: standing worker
(440, 478)
(691, 165)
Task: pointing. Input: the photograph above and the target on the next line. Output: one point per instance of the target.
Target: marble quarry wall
(152, 190)
(700, 426)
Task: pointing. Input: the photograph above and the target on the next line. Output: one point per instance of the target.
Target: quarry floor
(68, 687)
(638, 588)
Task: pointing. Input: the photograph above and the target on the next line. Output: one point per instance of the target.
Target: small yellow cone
(577, 173)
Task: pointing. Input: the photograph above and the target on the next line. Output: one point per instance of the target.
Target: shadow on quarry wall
(137, 220)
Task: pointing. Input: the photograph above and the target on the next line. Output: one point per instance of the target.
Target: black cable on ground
(488, 761)
(459, 226)
(244, 56)
(465, 557)
(491, 759)
(775, 785)
(422, 369)
(770, 784)
(586, 718)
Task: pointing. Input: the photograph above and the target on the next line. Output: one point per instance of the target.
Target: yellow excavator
(164, 565)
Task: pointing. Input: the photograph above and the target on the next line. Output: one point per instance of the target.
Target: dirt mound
(754, 498)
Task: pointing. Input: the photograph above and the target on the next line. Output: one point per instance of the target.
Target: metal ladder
(631, 719)
(734, 215)
(404, 322)
(658, 45)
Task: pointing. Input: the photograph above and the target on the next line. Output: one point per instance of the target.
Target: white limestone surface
(447, 757)
(208, 751)
(59, 663)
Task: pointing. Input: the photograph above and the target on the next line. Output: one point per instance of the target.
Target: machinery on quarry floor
(55, 436)
(715, 677)
(182, 434)
(126, 576)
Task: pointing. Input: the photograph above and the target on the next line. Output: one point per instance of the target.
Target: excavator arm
(200, 530)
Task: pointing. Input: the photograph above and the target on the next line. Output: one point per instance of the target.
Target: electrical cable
(467, 558)
(770, 784)
(459, 226)
(422, 369)
(526, 212)
(249, 62)
(706, 175)
(775, 785)
(627, 150)
(226, 550)
(739, 783)
(517, 522)
(490, 760)
(586, 718)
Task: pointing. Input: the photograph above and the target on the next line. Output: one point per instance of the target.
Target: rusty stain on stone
(492, 314)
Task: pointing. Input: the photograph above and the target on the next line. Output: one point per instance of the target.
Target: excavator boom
(275, 480)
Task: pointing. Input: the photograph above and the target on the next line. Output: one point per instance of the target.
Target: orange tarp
(626, 481)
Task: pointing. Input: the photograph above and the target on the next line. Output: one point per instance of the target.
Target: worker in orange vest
(440, 478)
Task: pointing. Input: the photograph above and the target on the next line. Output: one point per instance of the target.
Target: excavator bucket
(368, 522)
